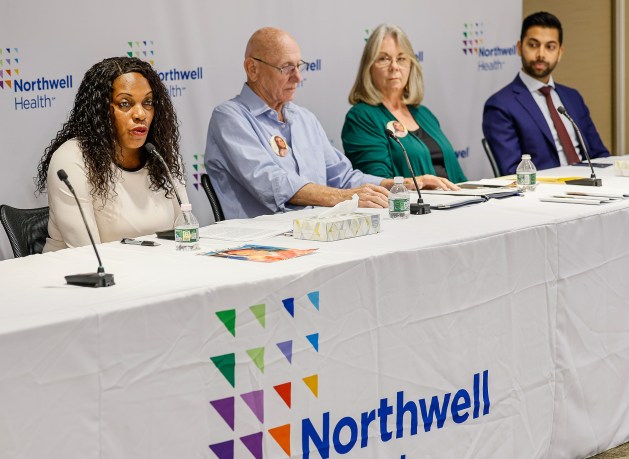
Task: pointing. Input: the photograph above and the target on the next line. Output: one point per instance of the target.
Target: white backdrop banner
(467, 50)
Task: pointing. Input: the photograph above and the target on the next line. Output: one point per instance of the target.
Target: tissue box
(337, 227)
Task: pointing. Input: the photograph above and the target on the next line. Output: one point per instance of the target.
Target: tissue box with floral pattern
(337, 227)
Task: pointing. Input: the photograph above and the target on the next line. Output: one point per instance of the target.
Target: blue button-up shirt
(249, 178)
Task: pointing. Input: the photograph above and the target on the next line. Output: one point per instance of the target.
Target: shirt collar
(256, 105)
(532, 84)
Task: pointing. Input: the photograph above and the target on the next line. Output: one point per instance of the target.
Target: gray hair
(364, 89)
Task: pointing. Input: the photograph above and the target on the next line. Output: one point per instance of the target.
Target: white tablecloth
(496, 330)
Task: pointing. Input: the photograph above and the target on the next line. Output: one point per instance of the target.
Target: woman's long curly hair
(91, 123)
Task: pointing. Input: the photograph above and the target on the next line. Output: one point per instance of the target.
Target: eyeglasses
(288, 69)
(386, 61)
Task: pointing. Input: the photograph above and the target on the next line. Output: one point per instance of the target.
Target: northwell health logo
(281, 362)
(174, 78)
(9, 67)
(265, 383)
(31, 93)
(489, 57)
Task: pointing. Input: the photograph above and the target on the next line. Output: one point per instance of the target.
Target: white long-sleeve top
(134, 211)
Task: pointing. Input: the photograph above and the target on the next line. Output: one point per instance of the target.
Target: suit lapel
(524, 98)
(569, 104)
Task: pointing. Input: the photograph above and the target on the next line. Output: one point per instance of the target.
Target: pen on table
(131, 241)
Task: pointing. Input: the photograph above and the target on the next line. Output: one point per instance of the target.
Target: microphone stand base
(420, 208)
(91, 280)
(586, 182)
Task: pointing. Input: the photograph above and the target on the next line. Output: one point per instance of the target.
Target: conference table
(497, 330)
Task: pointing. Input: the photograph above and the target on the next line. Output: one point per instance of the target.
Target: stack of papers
(246, 230)
(587, 197)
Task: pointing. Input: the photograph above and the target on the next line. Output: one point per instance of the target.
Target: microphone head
(62, 175)
(150, 148)
(562, 110)
(390, 133)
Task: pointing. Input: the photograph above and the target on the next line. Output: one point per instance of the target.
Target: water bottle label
(187, 234)
(527, 179)
(399, 205)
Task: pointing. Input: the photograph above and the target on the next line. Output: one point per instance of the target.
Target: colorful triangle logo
(255, 401)
(289, 305)
(281, 435)
(314, 340)
(284, 391)
(257, 355)
(225, 407)
(224, 450)
(314, 299)
(253, 443)
(226, 365)
(313, 384)
(287, 349)
(228, 317)
(259, 311)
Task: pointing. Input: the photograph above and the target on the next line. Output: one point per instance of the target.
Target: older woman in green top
(387, 94)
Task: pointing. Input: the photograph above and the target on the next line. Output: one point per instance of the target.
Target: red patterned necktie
(562, 132)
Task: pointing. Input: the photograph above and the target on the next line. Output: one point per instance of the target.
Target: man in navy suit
(518, 118)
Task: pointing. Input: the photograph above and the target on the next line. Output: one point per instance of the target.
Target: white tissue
(342, 208)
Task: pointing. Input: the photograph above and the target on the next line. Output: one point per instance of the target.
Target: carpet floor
(620, 452)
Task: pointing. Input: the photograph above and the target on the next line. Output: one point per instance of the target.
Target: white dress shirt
(533, 86)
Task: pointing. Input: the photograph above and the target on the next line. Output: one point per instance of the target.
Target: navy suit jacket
(513, 124)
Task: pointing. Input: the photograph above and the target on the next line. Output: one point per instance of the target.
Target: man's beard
(535, 73)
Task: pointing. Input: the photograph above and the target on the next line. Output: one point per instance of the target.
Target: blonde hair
(364, 89)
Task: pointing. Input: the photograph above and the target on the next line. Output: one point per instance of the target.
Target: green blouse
(370, 150)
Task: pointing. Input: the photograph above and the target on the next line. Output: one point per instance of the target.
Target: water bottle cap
(186, 207)
(526, 156)
(397, 180)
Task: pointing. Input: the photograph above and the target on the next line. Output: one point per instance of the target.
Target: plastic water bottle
(187, 229)
(399, 199)
(526, 174)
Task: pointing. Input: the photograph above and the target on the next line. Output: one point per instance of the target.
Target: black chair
(211, 195)
(490, 157)
(27, 229)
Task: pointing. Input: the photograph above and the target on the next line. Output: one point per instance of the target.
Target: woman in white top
(121, 104)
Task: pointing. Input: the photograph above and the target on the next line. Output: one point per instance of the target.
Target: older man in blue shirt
(265, 154)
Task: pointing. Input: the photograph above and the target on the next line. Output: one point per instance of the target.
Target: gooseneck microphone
(99, 278)
(419, 208)
(592, 181)
(153, 151)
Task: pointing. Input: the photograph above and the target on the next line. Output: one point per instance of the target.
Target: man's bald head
(267, 42)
